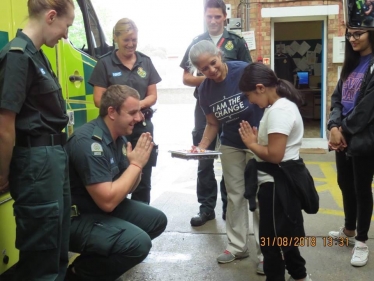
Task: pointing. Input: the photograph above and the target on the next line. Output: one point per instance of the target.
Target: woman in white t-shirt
(277, 140)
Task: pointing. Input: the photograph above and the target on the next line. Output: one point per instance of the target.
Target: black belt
(43, 140)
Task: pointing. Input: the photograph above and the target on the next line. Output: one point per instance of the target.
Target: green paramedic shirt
(94, 158)
(29, 88)
(109, 71)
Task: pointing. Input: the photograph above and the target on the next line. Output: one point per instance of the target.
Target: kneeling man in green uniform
(111, 232)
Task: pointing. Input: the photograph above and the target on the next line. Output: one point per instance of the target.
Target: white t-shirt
(215, 38)
(282, 117)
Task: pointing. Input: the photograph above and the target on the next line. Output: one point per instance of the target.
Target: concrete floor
(312, 128)
(186, 253)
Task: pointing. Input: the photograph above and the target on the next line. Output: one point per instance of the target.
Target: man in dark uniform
(111, 232)
(32, 159)
(234, 48)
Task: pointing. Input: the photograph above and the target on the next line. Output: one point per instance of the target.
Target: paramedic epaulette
(97, 134)
(18, 44)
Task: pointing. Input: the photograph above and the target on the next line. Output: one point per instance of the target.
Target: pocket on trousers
(102, 239)
(37, 226)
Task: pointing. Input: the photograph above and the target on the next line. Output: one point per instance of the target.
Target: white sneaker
(360, 254)
(307, 278)
(340, 234)
(260, 268)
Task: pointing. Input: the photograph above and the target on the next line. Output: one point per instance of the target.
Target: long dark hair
(258, 73)
(352, 58)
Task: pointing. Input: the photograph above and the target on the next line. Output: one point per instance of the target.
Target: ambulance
(73, 64)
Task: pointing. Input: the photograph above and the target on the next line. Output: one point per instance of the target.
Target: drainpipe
(244, 10)
(246, 7)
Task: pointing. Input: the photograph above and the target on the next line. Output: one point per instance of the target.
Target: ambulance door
(5, 23)
(76, 59)
(12, 17)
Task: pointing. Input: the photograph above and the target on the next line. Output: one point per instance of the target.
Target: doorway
(298, 56)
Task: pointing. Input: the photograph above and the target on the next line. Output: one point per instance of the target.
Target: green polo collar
(30, 45)
(116, 60)
(107, 137)
(225, 34)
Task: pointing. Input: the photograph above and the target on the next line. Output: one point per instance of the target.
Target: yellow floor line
(329, 184)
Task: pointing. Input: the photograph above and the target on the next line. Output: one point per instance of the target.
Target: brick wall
(262, 28)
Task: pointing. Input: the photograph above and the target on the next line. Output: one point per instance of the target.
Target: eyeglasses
(356, 35)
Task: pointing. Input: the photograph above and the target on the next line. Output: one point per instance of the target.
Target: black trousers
(143, 191)
(206, 187)
(274, 263)
(355, 176)
(111, 244)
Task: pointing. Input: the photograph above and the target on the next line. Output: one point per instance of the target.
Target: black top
(362, 114)
(29, 88)
(94, 158)
(358, 124)
(109, 71)
(233, 46)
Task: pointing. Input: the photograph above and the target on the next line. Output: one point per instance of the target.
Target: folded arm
(7, 139)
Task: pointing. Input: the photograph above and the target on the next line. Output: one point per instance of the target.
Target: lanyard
(220, 42)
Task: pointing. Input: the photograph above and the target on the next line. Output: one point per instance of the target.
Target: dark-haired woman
(351, 116)
(223, 105)
(277, 141)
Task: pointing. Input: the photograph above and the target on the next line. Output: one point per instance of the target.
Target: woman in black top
(350, 125)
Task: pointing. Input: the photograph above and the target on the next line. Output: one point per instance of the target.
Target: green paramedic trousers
(39, 185)
(111, 243)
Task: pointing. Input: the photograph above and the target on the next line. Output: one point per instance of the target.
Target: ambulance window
(77, 32)
(96, 33)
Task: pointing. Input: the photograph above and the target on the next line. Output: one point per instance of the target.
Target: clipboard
(187, 155)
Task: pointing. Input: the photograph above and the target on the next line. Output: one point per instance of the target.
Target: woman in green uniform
(126, 66)
(32, 160)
